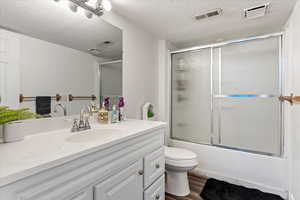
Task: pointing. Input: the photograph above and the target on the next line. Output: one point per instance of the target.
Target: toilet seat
(178, 157)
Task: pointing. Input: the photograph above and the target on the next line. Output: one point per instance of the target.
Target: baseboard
(291, 197)
(264, 188)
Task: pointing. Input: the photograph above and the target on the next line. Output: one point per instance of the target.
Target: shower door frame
(280, 37)
(100, 74)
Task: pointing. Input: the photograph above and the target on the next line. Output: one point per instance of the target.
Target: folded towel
(43, 105)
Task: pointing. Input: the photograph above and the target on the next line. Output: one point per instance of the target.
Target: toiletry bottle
(103, 115)
(107, 103)
(93, 110)
(121, 109)
(93, 107)
(114, 115)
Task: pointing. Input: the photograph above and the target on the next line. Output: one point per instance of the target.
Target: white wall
(293, 112)
(9, 69)
(50, 69)
(162, 80)
(140, 65)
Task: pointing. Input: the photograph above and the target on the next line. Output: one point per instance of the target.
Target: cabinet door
(154, 166)
(156, 191)
(83, 195)
(125, 185)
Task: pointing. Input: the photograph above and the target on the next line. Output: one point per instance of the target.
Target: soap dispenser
(114, 115)
(103, 115)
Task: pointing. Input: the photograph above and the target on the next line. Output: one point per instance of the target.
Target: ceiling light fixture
(91, 7)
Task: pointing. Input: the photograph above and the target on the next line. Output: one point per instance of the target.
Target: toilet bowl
(178, 163)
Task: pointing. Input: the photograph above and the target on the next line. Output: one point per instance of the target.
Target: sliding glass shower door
(230, 96)
(247, 109)
(191, 96)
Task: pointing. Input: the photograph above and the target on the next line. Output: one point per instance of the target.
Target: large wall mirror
(46, 50)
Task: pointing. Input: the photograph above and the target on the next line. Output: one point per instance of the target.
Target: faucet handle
(81, 124)
(75, 126)
(87, 123)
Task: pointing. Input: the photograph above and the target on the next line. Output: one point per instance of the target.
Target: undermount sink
(92, 135)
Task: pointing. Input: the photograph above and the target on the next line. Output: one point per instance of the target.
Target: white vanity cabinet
(126, 184)
(129, 170)
(86, 194)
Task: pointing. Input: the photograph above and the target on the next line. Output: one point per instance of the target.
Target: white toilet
(178, 163)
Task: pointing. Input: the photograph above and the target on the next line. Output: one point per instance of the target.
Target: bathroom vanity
(116, 162)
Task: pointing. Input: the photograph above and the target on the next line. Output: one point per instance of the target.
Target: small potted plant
(12, 127)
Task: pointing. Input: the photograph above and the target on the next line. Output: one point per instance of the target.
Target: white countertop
(42, 151)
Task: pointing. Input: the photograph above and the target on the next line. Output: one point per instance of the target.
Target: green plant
(8, 115)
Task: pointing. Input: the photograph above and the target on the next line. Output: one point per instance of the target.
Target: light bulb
(73, 7)
(107, 5)
(88, 14)
(92, 3)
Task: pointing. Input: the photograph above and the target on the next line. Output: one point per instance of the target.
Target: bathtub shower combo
(226, 95)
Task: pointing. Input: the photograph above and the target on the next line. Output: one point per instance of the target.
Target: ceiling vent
(257, 11)
(209, 14)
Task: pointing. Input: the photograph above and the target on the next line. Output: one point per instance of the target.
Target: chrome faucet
(75, 127)
(62, 106)
(83, 123)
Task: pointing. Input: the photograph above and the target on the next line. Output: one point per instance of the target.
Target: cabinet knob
(157, 197)
(141, 172)
(157, 166)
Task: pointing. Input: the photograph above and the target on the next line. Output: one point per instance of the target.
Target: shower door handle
(245, 96)
(292, 99)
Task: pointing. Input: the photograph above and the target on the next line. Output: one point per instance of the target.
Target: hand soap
(114, 115)
(103, 115)
(121, 109)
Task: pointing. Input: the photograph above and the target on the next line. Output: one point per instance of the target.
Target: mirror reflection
(55, 61)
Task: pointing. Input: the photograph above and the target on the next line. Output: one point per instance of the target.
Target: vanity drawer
(156, 191)
(154, 166)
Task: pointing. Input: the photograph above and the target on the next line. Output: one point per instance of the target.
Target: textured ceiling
(54, 22)
(173, 19)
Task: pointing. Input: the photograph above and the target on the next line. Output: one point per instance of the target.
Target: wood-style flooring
(196, 185)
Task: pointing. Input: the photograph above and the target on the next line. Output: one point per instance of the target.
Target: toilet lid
(173, 153)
